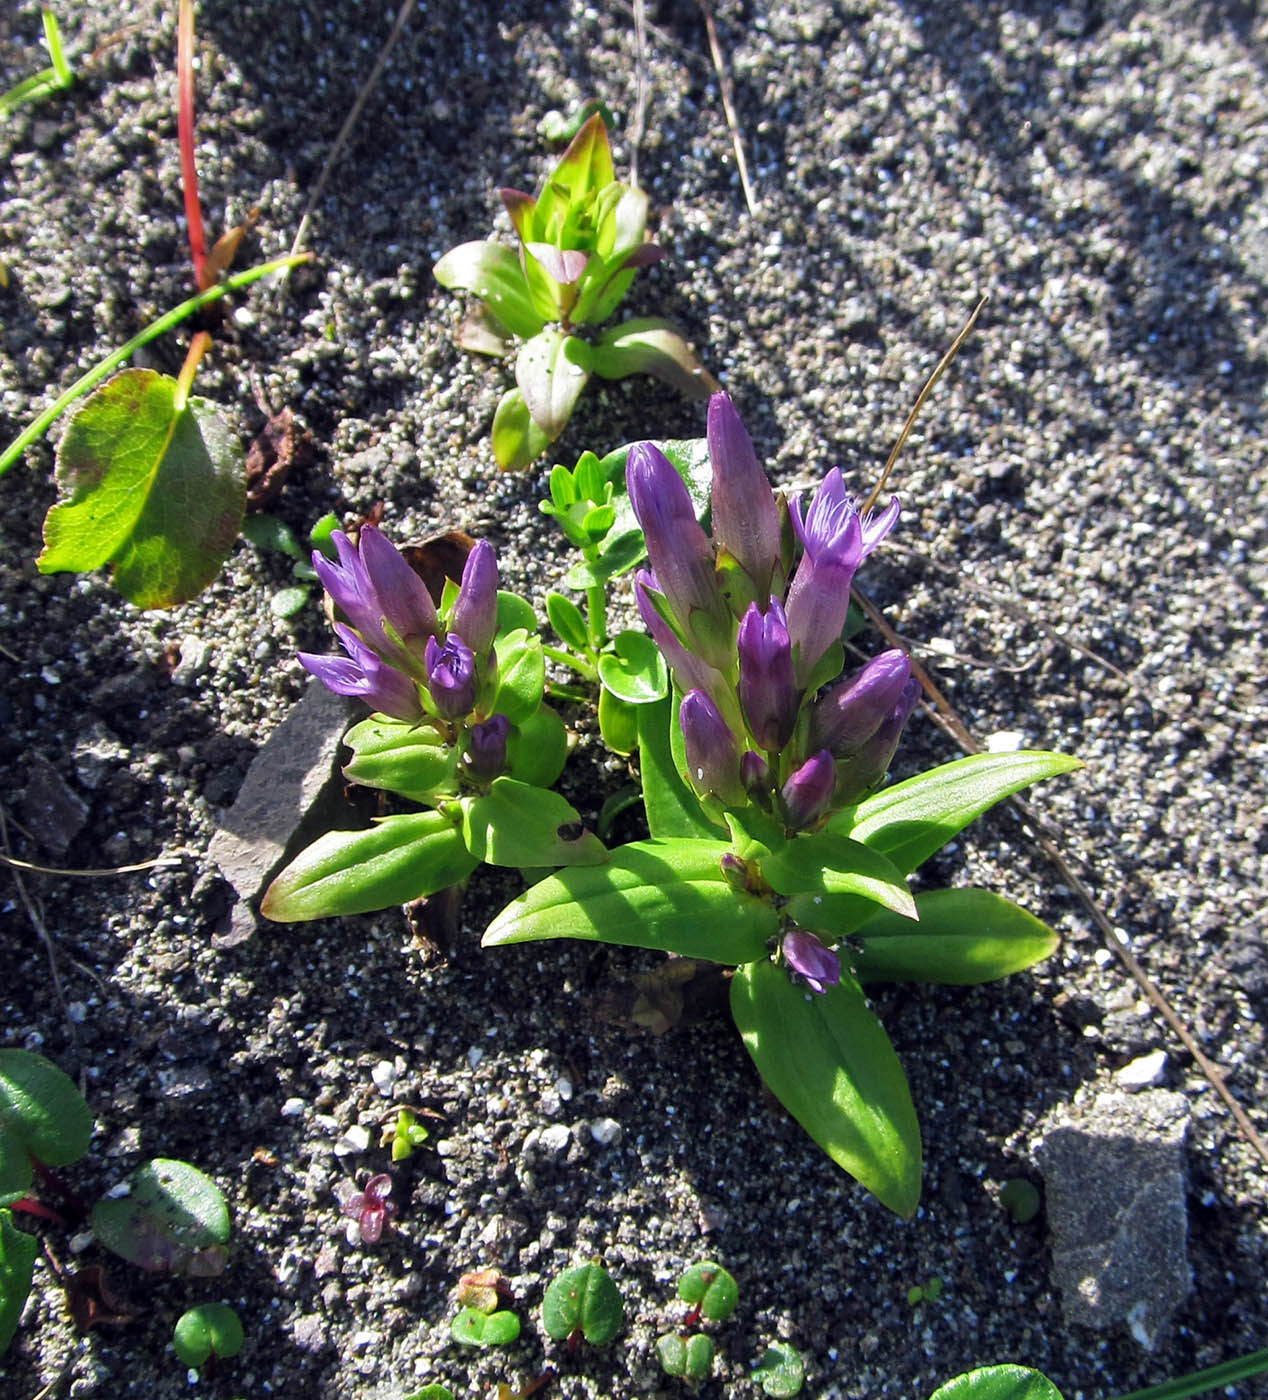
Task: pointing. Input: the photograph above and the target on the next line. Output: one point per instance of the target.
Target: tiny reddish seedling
(370, 1208)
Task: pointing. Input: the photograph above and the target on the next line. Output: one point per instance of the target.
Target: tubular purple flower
(767, 689)
(363, 675)
(373, 584)
(486, 748)
(689, 671)
(745, 520)
(451, 676)
(680, 553)
(475, 610)
(864, 769)
(876, 527)
(844, 718)
(713, 753)
(807, 957)
(807, 793)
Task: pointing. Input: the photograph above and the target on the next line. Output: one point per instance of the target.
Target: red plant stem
(48, 1178)
(31, 1207)
(185, 134)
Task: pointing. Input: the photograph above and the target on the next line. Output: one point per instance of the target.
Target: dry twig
(728, 106)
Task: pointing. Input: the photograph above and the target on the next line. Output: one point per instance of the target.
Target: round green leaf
(211, 1329)
(565, 617)
(634, 670)
(687, 1358)
(781, 1371)
(618, 723)
(998, 1383)
(173, 1217)
(473, 1328)
(520, 825)
(157, 491)
(712, 1287)
(42, 1115)
(513, 614)
(584, 1298)
(286, 602)
(1020, 1198)
(521, 677)
(537, 749)
(17, 1262)
(671, 1352)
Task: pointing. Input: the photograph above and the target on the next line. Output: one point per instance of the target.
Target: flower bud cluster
(401, 659)
(746, 633)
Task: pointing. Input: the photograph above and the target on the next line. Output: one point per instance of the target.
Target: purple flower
(689, 671)
(366, 676)
(864, 769)
(486, 748)
(680, 553)
(845, 717)
(451, 676)
(745, 519)
(381, 596)
(767, 690)
(370, 1208)
(807, 957)
(755, 775)
(806, 794)
(713, 753)
(475, 610)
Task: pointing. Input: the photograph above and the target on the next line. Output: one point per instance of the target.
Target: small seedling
(430, 1392)
(925, 1293)
(474, 1328)
(209, 1331)
(781, 1371)
(481, 1290)
(582, 1302)
(404, 1135)
(1020, 1198)
(710, 1290)
(687, 1358)
(267, 532)
(370, 1209)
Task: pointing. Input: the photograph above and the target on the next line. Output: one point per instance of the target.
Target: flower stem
(572, 661)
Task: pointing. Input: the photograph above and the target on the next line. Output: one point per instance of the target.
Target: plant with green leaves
(460, 730)
(774, 847)
(206, 1334)
(271, 534)
(711, 1294)
(781, 1371)
(581, 240)
(582, 1303)
(1023, 1383)
(56, 78)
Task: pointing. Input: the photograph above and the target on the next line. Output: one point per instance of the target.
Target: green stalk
(156, 328)
(53, 38)
(1213, 1378)
(572, 661)
(597, 615)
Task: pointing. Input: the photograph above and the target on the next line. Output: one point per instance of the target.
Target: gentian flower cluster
(401, 660)
(752, 636)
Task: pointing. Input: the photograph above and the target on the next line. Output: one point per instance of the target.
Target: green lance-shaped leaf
(570, 626)
(634, 669)
(521, 678)
(396, 756)
(668, 895)
(492, 272)
(963, 937)
(17, 1262)
(211, 1329)
(173, 1217)
(829, 1062)
(998, 1383)
(355, 872)
(710, 1286)
(523, 826)
(517, 440)
(156, 490)
(911, 820)
(473, 1328)
(834, 883)
(583, 1299)
(537, 749)
(781, 1371)
(648, 345)
(673, 809)
(687, 1358)
(550, 372)
(42, 1115)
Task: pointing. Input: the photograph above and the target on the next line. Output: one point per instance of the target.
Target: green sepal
(551, 370)
(569, 624)
(399, 859)
(537, 749)
(492, 272)
(829, 1062)
(673, 809)
(964, 936)
(911, 820)
(649, 345)
(618, 723)
(42, 1115)
(396, 756)
(521, 678)
(998, 1383)
(517, 440)
(668, 895)
(17, 1265)
(835, 883)
(828, 667)
(519, 825)
(634, 670)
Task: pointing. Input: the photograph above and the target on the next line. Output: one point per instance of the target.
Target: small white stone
(384, 1076)
(474, 1056)
(1102, 957)
(81, 1241)
(293, 1108)
(1143, 1073)
(556, 1137)
(563, 1087)
(355, 1139)
(605, 1131)
(1005, 741)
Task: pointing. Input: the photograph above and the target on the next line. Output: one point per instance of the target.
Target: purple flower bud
(486, 748)
(745, 520)
(451, 676)
(366, 677)
(689, 671)
(680, 552)
(735, 872)
(767, 690)
(807, 957)
(371, 584)
(806, 794)
(713, 754)
(864, 769)
(755, 775)
(475, 610)
(845, 717)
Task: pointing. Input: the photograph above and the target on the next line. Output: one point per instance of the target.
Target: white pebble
(474, 1056)
(1005, 741)
(293, 1108)
(556, 1137)
(355, 1139)
(605, 1131)
(384, 1076)
(1144, 1072)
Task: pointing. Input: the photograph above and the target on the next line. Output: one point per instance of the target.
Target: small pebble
(555, 1138)
(605, 1131)
(384, 1076)
(355, 1139)
(1146, 1072)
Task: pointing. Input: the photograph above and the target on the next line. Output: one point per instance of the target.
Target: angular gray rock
(1115, 1179)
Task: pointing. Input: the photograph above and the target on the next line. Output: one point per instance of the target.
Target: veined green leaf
(964, 936)
(911, 820)
(42, 1115)
(835, 881)
(669, 895)
(521, 677)
(519, 825)
(998, 1383)
(517, 440)
(492, 272)
(173, 1217)
(829, 1062)
(634, 669)
(618, 722)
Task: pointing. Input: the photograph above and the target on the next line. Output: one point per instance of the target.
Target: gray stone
(1114, 1172)
(51, 810)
